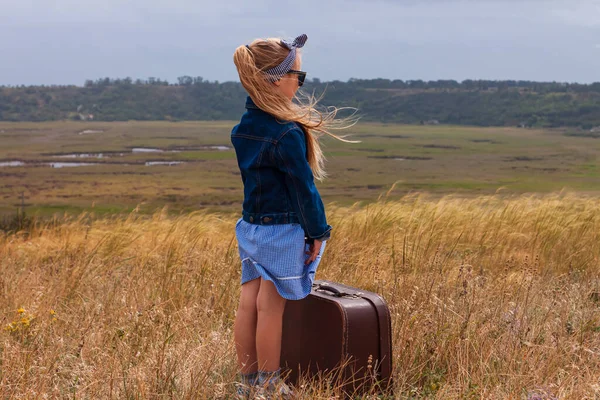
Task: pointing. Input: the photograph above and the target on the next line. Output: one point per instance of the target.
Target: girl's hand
(313, 250)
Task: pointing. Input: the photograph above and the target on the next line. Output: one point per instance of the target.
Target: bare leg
(245, 327)
(270, 307)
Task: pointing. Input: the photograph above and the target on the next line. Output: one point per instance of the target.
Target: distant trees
(470, 102)
(185, 80)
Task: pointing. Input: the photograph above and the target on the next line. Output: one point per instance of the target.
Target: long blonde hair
(263, 54)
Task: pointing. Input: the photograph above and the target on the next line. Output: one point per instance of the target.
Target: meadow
(491, 298)
(391, 159)
(484, 242)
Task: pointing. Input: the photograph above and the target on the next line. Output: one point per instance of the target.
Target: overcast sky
(69, 41)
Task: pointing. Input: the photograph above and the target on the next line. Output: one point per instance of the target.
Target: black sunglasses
(301, 76)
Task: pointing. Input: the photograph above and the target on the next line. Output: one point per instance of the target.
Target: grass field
(484, 242)
(491, 297)
(432, 159)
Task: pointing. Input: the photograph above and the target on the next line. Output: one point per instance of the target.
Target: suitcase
(339, 333)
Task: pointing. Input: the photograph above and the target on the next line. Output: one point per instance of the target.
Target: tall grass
(491, 298)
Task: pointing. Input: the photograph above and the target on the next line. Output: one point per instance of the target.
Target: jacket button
(267, 219)
(251, 219)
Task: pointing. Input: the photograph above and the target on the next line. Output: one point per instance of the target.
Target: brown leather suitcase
(339, 333)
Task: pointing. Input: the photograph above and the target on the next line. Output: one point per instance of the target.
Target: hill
(480, 103)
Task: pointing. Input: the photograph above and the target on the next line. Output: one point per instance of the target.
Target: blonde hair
(264, 54)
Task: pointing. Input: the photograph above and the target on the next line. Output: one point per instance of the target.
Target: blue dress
(277, 253)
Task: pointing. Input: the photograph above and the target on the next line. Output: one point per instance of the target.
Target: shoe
(245, 385)
(274, 391)
(243, 391)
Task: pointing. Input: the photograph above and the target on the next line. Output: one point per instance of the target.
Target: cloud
(582, 13)
(405, 39)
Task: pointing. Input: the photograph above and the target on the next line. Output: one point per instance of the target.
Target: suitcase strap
(385, 330)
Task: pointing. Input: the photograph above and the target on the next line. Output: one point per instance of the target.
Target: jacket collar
(250, 104)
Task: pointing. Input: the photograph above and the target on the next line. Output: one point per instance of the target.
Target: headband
(276, 73)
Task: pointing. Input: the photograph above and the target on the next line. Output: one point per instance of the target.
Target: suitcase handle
(335, 291)
(330, 289)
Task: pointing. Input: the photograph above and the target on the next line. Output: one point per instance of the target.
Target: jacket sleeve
(290, 155)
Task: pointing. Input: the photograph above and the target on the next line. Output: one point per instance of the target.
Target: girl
(283, 229)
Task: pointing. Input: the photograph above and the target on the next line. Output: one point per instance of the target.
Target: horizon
(309, 80)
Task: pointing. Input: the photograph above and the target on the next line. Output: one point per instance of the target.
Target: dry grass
(491, 298)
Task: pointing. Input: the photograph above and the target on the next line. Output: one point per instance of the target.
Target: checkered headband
(276, 73)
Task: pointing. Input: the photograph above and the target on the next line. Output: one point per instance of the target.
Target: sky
(69, 41)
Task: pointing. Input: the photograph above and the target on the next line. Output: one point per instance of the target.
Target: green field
(432, 159)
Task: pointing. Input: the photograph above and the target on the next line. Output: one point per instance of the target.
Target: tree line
(470, 102)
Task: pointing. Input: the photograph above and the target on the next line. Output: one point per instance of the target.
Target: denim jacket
(279, 186)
